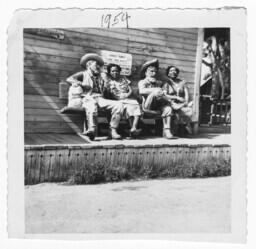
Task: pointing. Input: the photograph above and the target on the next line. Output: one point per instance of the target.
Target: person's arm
(167, 94)
(106, 89)
(127, 95)
(143, 90)
(76, 78)
(172, 97)
(186, 95)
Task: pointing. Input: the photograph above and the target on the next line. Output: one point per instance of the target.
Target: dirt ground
(153, 206)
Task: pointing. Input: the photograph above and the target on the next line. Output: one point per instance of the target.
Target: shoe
(167, 134)
(91, 124)
(189, 129)
(134, 133)
(63, 110)
(114, 134)
(90, 134)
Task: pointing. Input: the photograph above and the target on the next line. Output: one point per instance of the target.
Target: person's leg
(134, 131)
(135, 123)
(133, 113)
(91, 111)
(116, 108)
(166, 116)
(149, 101)
(185, 114)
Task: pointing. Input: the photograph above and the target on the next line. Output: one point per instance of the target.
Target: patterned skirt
(131, 108)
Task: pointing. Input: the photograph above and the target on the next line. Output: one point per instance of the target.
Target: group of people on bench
(92, 90)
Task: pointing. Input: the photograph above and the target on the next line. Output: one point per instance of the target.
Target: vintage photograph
(127, 130)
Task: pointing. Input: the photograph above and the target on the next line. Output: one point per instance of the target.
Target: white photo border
(234, 18)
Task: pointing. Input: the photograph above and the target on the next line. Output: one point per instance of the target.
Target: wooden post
(199, 51)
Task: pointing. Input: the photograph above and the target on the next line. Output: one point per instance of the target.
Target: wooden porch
(52, 139)
(54, 150)
(59, 157)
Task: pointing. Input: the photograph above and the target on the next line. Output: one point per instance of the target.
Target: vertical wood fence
(60, 163)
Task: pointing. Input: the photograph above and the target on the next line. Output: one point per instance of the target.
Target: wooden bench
(147, 117)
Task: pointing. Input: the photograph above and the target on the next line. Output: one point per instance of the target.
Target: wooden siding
(47, 61)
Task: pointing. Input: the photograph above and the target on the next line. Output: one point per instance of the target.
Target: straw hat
(91, 56)
(147, 64)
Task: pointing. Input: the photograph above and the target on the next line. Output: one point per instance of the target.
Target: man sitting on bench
(92, 84)
(155, 100)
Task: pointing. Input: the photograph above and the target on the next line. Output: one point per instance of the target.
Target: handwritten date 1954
(110, 20)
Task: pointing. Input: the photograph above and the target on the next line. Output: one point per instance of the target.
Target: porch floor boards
(74, 139)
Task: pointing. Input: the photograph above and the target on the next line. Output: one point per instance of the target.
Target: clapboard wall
(49, 60)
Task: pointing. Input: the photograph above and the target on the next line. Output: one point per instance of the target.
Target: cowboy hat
(93, 57)
(154, 63)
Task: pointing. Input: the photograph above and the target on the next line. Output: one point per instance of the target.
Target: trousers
(154, 101)
(91, 103)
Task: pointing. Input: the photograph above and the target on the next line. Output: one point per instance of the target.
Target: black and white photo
(130, 128)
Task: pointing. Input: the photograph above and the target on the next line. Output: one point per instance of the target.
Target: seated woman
(176, 91)
(118, 87)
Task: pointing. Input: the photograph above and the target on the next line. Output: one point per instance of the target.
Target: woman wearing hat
(175, 89)
(91, 82)
(118, 88)
(151, 90)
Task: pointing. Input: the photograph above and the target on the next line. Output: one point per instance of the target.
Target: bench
(147, 117)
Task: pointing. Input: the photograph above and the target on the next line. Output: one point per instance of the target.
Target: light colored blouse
(175, 89)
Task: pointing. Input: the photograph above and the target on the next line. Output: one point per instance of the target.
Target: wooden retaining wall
(60, 163)
(49, 60)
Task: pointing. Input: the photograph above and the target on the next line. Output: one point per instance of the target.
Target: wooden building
(51, 55)
(53, 150)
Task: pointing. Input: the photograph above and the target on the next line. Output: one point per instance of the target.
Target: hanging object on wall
(124, 60)
(52, 33)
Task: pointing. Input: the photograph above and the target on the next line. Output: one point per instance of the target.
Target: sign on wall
(122, 59)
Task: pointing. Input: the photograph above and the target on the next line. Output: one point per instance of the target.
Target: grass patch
(99, 173)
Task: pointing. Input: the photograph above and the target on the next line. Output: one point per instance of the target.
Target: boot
(115, 119)
(91, 123)
(166, 128)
